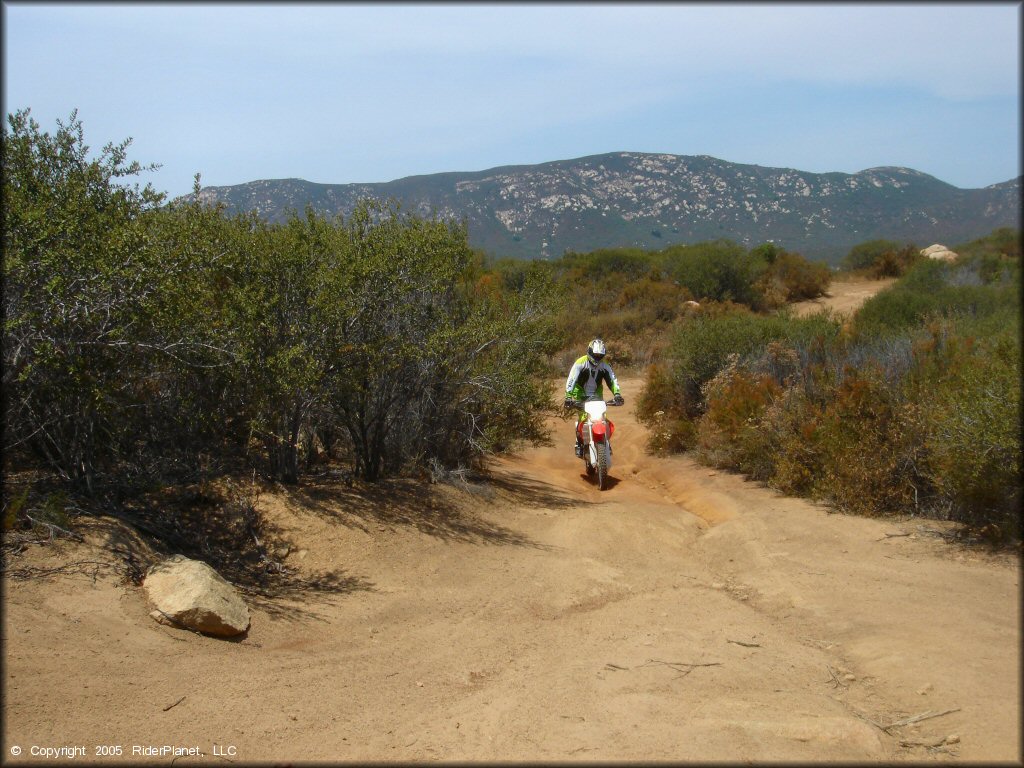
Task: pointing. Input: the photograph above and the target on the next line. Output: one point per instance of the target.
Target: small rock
(301, 554)
(282, 552)
(717, 585)
(952, 739)
(849, 678)
(924, 691)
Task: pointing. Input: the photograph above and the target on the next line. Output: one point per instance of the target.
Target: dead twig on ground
(745, 645)
(938, 741)
(905, 721)
(683, 667)
(54, 529)
(892, 536)
(34, 572)
(835, 680)
(865, 718)
(172, 706)
(609, 665)
(948, 535)
(917, 719)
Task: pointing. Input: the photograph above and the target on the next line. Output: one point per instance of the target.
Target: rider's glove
(619, 400)
(568, 402)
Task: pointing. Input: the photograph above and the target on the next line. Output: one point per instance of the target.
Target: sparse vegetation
(915, 409)
(147, 345)
(881, 258)
(633, 298)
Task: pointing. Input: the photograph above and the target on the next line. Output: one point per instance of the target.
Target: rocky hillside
(651, 200)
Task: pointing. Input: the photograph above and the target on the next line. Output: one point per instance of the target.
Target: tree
(76, 263)
(428, 366)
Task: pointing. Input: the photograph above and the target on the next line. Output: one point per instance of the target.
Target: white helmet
(596, 351)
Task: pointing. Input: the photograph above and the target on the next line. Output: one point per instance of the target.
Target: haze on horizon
(342, 93)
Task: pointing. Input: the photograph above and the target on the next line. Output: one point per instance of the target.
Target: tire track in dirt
(907, 620)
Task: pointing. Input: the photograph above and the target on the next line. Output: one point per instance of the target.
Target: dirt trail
(844, 295)
(682, 614)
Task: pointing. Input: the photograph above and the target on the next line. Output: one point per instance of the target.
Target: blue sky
(339, 93)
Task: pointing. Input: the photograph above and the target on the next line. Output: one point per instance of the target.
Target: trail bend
(682, 614)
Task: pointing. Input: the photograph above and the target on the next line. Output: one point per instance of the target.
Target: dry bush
(869, 448)
(662, 407)
(731, 434)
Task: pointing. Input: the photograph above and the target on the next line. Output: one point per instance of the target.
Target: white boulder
(189, 593)
(940, 252)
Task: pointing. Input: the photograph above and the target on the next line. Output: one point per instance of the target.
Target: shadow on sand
(442, 511)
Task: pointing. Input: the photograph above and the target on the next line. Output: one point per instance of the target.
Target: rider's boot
(579, 449)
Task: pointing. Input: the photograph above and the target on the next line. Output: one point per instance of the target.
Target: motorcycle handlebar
(578, 404)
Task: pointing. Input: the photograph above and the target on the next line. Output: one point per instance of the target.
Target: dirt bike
(595, 432)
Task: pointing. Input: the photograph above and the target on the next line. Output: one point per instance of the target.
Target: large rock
(189, 593)
(940, 252)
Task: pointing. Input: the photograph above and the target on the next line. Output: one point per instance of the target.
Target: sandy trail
(845, 295)
(682, 614)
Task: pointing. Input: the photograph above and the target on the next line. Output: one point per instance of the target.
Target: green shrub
(146, 343)
(626, 264)
(719, 270)
(78, 274)
(801, 278)
(661, 407)
(969, 397)
(916, 410)
(933, 288)
(1002, 243)
(704, 344)
(864, 255)
(881, 258)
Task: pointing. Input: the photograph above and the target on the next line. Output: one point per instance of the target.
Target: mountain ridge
(650, 200)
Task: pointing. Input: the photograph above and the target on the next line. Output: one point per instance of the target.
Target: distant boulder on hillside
(939, 252)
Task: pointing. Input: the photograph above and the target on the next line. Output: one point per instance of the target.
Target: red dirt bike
(595, 432)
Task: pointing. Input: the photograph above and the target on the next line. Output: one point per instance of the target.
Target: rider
(585, 381)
